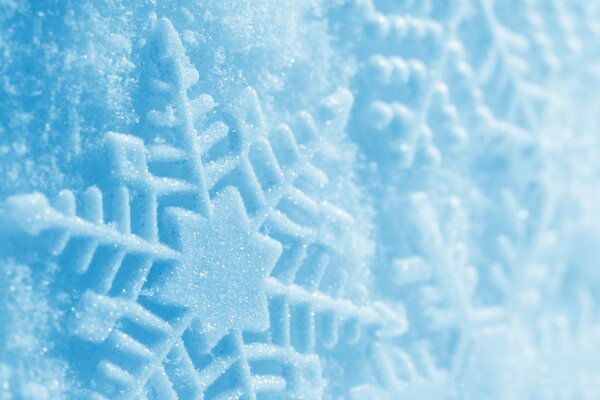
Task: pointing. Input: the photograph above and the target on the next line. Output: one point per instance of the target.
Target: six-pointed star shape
(221, 277)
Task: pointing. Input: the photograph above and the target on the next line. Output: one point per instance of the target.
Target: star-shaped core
(221, 277)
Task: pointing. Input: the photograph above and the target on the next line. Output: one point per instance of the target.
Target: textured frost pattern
(281, 199)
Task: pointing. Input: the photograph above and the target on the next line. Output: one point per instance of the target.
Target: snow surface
(282, 199)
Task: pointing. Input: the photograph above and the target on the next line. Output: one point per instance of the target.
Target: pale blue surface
(284, 199)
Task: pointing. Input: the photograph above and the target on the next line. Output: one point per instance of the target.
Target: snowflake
(206, 265)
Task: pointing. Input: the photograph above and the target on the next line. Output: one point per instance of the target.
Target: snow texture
(281, 199)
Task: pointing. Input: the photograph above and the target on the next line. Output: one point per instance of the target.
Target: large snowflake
(206, 265)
